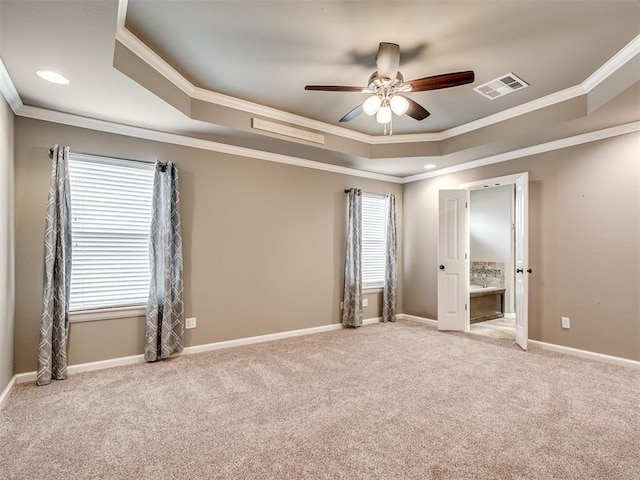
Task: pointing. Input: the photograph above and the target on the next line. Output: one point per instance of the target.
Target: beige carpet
(387, 401)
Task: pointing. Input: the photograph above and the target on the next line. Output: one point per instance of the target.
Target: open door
(522, 260)
(453, 271)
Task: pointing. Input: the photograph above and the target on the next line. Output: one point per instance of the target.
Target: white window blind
(111, 219)
(374, 240)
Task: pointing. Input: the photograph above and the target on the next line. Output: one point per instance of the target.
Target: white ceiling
(266, 52)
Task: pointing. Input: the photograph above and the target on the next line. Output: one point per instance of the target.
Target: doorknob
(519, 270)
(529, 270)
(441, 267)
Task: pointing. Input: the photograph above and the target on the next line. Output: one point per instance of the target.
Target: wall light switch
(566, 323)
(190, 322)
(365, 302)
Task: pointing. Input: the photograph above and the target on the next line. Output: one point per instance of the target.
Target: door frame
(513, 179)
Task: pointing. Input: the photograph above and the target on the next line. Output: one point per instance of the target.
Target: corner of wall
(7, 285)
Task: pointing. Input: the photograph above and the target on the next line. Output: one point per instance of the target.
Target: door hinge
(466, 205)
(465, 306)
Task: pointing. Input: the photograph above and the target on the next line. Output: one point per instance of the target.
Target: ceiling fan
(387, 84)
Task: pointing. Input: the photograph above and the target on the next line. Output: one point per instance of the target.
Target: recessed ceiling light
(52, 77)
(430, 166)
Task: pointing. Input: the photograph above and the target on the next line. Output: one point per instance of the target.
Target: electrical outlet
(190, 322)
(365, 302)
(341, 305)
(566, 322)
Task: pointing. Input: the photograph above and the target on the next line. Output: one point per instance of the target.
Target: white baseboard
(117, 362)
(413, 318)
(133, 359)
(509, 315)
(600, 357)
(370, 321)
(7, 390)
(86, 367)
(269, 337)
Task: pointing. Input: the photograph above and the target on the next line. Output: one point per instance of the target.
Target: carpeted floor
(386, 401)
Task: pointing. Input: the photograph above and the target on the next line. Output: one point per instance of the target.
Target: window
(111, 219)
(374, 240)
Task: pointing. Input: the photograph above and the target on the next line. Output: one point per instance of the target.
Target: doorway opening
(498, 256)
(492, 261)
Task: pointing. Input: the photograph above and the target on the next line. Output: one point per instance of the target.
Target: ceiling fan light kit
(384, 115)
(385, 85)
(399, 105)
(371, 105)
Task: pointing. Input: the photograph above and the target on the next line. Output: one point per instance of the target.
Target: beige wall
(264, 246)
(263, 243)
(584, 243)
(6, 244)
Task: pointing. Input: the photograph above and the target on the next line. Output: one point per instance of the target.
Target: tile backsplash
(491, 272)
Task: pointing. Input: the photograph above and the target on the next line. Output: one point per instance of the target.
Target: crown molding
(629, 51)
(121, 15)
(532, 150)
(175, 139)
(147, 55)
(539, 103)
(151, 58)
(532, 106)
(8, 89)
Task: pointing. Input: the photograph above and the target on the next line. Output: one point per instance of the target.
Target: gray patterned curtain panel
(54, 325)
(352, 304)
(165, 308)
(389, 290)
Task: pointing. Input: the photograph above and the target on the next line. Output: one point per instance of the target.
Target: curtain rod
(104, 156)
(347, 190)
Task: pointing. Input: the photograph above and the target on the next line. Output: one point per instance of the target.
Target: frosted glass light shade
(384, 115)
(371, 105)
(399, 105)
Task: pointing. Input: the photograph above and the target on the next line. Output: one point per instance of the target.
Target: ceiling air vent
(501, 86)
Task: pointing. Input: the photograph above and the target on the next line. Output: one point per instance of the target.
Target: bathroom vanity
(487, 303)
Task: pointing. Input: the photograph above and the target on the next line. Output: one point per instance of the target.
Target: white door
(522, 260)
(452, 262)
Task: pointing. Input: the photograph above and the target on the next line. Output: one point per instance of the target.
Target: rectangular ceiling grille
(501, 86)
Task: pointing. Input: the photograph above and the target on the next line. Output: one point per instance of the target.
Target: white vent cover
(501, 86)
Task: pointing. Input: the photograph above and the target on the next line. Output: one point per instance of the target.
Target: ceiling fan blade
(416, 110)
(334, 88)
(352, 114)
(441, 81)
(388, 60)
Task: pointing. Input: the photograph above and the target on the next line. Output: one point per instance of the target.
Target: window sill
(106, 314)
